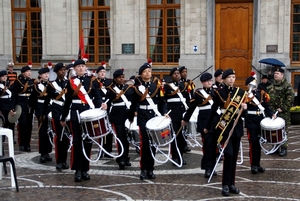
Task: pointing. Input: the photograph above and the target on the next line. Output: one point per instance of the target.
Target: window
(27, 31)
(163, 31)
(95, 23)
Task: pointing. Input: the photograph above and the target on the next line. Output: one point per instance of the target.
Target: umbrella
(272, 61)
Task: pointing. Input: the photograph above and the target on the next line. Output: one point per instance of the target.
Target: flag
(81, 45)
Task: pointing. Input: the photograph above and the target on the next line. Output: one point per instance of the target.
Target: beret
(100, 68)
(78, 62)
(3, 72)
(228, 72)
(264, 77)
(218, 72)
(143, 67)
(279, 69)
(132, 77)
(205, 76)
(25, 68)
(182, 68)
(69, 66)
(249, 79)
(58, 66)
(118, 72)
(43, 70)
(173, 70)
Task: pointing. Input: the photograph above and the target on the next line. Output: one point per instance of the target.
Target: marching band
(61, 105)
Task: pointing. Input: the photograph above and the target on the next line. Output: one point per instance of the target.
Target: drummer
(257, 108)
(120, 96)
(82, 94)
(56, 91)
(203, 100)
(176, 96)
(150, 103)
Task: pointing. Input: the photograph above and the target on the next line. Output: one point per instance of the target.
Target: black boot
(144, 174)
(282, 151)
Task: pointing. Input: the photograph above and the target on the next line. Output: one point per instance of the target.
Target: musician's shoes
(121, 165)
(27, 148)
(282, 151)
(186, 149)
(233, 189)
(65, 166)
(144, 174)
(215, 173)
(151, 175)
(44, 158)
(22, 148)
(127, 163)
(225, 190)
(61, 166)
(254, 169)
(207, 173)
(78, 176)
(261, 169)
(85, 176)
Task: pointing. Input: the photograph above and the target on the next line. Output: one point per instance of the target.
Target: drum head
(158, 123)
(92, 114)
(133, 126)
(272, 124)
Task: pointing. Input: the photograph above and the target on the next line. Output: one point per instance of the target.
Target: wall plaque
(272, 48)
(128, 48)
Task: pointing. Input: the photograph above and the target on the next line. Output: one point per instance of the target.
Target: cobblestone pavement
(42, 181)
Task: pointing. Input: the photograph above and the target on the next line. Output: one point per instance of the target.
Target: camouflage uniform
(282, 96)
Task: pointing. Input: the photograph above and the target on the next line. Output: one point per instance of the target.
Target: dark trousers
(209, 151)
(230, 159)
(147, 161)
(45, 145)
(180, 141)
(107, 144)
(25, 129)
(78, 160)
(122, 135)
(254, 146)
(61, 142)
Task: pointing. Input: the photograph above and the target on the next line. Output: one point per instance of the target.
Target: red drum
(95, 123)
(273, 130)
(160, 130)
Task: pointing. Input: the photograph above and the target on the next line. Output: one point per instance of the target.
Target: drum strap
(229, 113)
(203, 92)
(149, 100)
(183, 100)
(5, 89)
(82, 94)
(59, 90)
(127, 103)
(43, 90)
(254, 99)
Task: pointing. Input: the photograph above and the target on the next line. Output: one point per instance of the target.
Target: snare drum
(273, 131)
(133, 128)
(95, 122)
(160, 130)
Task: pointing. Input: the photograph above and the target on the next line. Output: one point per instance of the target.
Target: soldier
(264, 83)
(21, 92)
(281, 99)
(57, 90)
(150, 103)
(257, 107)
(82, 94)
(203, 100)
(120, 96)
(103, 84)
(11, 74)
(40, 101)
(230, 100)
(5, 101)
(176, 96)
(218, 78)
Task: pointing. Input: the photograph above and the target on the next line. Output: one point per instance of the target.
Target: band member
(190, 90)
(82, 94)
(103, 83)
(229, 99)
(21, 92)
(264, 83)
(11, 74)
(257, 107)
(149, 102)
(57, 90)
(5, 101)
(218, 78)
(120, 96)
(281, 99)
(176, 97)
(40, 101)
(203, 100)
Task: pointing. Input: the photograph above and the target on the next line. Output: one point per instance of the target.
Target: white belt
(78, 101)
(147, 107)
(255, 112)
(5, 97)
(24, 94)
(58, 102)
(40, 101)
(173, 100)
(118, 104)
(206, 107)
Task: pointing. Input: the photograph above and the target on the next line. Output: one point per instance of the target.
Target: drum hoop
(163, 123)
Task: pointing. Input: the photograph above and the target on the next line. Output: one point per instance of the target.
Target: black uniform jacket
(119, 114)
(40, 99)
(5, 96)
(91, 87)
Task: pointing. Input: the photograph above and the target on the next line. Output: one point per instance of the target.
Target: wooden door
(233, 44)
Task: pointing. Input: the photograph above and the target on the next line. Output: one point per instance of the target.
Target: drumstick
(105, 103)
(275, 114)
(164, 118)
